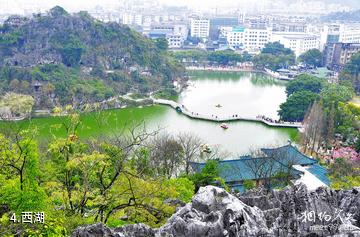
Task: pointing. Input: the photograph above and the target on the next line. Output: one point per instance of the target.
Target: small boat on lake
(218, 106)
(224, 126)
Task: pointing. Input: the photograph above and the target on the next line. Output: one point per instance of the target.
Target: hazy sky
(75, 5)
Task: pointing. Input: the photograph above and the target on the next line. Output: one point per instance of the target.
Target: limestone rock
(214, 212)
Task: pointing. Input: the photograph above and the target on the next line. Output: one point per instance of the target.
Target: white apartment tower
(199, 27)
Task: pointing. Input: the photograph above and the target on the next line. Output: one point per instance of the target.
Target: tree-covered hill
(76, 58)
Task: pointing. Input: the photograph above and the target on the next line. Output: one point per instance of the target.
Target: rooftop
(280, 159)
(294, 35)
(249, 168)
(288, 155)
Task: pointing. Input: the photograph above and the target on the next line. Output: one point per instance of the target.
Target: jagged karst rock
(96, 230)
(99, 230)
(284, 209)
(215, 213)
(137, 230)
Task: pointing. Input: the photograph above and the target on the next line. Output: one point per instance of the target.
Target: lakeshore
(244, 94)
(239, 69)
(194, 115)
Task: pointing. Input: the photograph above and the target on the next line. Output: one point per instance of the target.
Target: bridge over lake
(215, 118)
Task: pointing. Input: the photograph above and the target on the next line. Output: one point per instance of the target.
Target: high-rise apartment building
(199, 27)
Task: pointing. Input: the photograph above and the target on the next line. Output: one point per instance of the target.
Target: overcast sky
(107, 2)
(76, 5)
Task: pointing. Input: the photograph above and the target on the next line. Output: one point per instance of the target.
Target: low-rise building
(247, 38)
(174, 34)
(297, 42)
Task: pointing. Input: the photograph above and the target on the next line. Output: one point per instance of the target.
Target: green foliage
(351, 72)
(305, 82)
(276, 49)
(347, 119)
(209, 175)
(183, 187)
(70, 48)
(334, 94)
(191, 55)
(82, 182)
(305, 89)
(168, 94)
(344, 175)
(249, 184)
(346, 182)
(16, 104)
(312, 57)
(161, 44)
(296, 105)
(76, 43)
(281, 180)
(53, 227)
(21, 191)
(224, 57)
(58, 11)
(274, 56)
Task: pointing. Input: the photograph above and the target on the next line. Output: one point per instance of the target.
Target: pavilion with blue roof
(288, 155)
(275, 161)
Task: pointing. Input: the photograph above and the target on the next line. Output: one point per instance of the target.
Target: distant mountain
(343, 16)
(351, 3)
(79, 58)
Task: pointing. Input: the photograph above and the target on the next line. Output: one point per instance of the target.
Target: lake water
(247, 94)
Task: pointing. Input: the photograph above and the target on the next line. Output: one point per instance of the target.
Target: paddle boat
(224, 126)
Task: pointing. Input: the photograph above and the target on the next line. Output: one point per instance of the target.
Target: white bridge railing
(214, 118)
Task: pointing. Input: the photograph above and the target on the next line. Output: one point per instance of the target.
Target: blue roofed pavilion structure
(275, 161)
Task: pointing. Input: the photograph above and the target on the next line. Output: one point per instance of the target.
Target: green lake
(248, 94)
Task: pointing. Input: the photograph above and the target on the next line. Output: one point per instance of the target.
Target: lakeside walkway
(194, 115)
(222, 69)
(191, 114)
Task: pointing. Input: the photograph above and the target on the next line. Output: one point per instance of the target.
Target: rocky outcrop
(296, 212)
(99, 230)
(215, 213)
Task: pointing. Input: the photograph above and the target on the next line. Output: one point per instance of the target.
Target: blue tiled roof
(248, 168)
(289, 155)
(320, 173)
